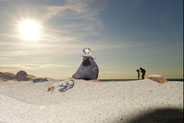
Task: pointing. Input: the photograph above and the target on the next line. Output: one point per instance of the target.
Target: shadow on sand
(165, 115)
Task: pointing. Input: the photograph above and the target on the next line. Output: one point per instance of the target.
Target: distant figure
(138, 73)
(143, 71)
(88, 70)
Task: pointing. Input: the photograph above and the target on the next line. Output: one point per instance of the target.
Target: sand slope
(86, 102)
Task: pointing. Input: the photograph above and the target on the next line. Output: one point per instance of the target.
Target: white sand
(86, 102)
(154, 76)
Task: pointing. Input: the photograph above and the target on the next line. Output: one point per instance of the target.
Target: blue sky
(124, 34)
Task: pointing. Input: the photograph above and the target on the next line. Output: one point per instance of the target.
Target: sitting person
(88, 70)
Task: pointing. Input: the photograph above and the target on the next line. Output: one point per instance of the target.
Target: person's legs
(143, 75)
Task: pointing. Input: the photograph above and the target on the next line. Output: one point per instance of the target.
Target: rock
(157, 78)
(21, 76)
(88, 70)
(39, 80)
(66, 85)
(31, 77)
(87, 52)
(7, 76)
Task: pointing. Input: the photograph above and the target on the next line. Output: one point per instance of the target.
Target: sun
(29, 30)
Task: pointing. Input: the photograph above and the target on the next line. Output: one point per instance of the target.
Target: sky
(124, 35)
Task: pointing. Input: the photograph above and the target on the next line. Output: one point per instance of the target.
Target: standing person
(138, 72)
(143, 71)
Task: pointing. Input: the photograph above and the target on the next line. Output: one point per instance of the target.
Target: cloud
(67, 26)
(53, 11)
(75, 16)
(29, 66)
(58, 49)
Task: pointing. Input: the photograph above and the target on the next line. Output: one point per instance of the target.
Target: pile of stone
(88, 69)
(20, 76)
(7, 76)
(157, 78)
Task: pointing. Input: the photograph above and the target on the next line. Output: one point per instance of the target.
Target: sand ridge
(26, 102)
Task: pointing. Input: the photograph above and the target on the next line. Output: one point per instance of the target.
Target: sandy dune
(86, 102)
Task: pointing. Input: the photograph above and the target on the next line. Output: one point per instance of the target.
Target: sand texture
(88, 102)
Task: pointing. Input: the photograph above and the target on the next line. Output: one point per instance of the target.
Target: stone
(21, 76)
(157, 78)
(30, 77)
(40, 80)
(88, 70)
(87, 52)
(7, 76)
(66, 85)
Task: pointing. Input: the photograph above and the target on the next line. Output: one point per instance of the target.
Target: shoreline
(106, 80)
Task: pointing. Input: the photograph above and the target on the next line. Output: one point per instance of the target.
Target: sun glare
(29, 30)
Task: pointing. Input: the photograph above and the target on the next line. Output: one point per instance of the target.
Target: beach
(87, 101)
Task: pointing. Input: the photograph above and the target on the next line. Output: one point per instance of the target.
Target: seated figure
(88, 69)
